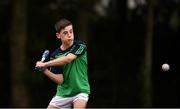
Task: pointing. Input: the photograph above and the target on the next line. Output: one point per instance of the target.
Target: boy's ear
(58, 35)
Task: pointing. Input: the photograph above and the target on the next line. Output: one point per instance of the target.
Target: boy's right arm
(57, 78)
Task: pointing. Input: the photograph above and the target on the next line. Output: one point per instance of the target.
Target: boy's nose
(69, 35)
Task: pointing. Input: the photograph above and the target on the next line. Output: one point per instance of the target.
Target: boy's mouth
(70, 40)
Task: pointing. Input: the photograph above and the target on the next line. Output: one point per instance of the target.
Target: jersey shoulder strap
(78, 48)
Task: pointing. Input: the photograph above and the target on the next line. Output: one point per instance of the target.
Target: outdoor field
(121, 53)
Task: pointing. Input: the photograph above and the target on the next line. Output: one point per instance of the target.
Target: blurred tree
(146, 73)
(17, 43)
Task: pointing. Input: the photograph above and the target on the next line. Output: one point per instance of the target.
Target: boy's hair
(61, 24)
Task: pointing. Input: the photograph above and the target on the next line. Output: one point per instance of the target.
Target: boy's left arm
(57, 62)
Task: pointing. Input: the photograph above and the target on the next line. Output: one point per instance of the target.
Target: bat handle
(39, 69)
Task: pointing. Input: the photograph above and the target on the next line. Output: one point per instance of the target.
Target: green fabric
(75, 73)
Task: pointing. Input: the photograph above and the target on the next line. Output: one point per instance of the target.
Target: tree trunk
(18, 35)
(146, 74)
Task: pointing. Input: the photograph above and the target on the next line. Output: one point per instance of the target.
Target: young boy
(68, 68)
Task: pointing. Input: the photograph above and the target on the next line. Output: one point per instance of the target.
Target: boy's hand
(40, 64)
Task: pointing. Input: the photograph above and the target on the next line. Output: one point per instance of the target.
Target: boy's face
(66, 35)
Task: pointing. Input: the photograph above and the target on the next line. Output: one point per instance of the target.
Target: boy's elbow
(60, 81)
(70, 57)
(69, 60)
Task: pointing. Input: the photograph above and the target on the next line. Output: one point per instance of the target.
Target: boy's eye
(65, 32)
(70, 31)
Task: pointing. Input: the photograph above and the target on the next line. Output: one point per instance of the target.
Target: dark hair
(62, 23)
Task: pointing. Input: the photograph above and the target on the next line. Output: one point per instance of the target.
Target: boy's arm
(57, 78)
(57, 62)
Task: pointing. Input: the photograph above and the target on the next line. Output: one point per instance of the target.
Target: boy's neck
(65, 46)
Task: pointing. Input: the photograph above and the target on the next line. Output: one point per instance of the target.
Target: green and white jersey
(74, 73)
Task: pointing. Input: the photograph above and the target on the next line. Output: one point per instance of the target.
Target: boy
(68, 68)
